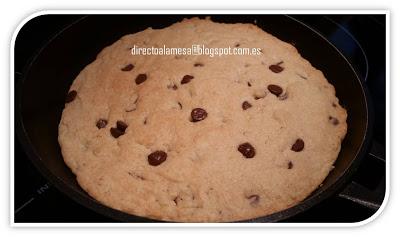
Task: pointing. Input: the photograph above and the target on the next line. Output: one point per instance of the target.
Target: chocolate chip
(290, 165)
(198, 114)
(198, 65)
(101, 123)
(247, 150)
(115, 132)
(119, 130)
(254, 199)
(334, 105)
(276, 68)
(173, 87)
(298, 145)
(140, 78)
(333, 120)
(237, 45)
(186, 79)
(248, 84)
(274, 89)
(127, 68)
(156, 158)
(71, 96)
(180, 105)
(121, 126)
(246, 105)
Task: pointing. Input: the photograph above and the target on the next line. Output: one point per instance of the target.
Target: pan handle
(357, 192)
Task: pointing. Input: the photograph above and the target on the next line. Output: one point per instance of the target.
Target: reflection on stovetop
(36, 200)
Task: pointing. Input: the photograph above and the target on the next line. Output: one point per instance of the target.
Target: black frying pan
(41, 93)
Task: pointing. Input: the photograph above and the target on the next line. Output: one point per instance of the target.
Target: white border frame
(251, 12)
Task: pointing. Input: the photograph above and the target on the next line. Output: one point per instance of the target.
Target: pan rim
(87, 201)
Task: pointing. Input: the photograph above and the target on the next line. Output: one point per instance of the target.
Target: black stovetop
(361, 38)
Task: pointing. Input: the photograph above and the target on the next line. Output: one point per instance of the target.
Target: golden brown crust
(204, 178)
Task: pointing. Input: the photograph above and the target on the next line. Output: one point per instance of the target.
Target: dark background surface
(37, 201)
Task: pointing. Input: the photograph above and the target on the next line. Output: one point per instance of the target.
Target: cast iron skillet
(47, 78)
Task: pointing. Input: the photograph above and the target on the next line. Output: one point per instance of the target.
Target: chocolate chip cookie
(194, 138)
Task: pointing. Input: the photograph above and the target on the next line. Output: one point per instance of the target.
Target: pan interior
(48, 78)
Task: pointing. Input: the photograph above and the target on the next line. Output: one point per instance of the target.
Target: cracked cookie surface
(199, 138)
